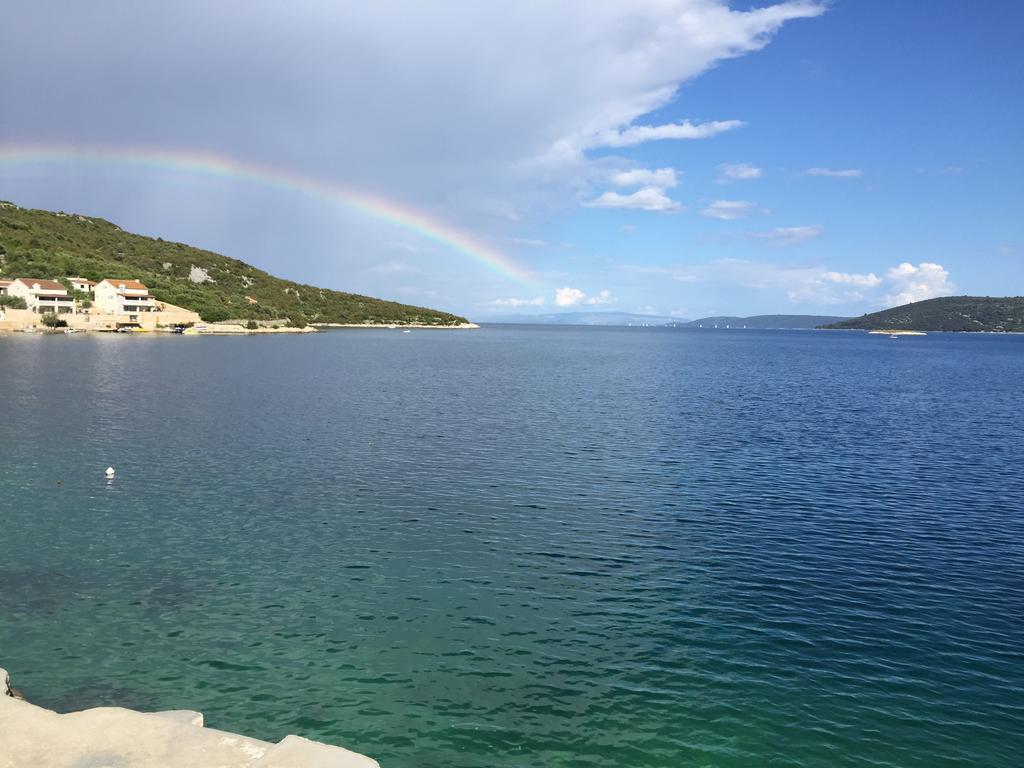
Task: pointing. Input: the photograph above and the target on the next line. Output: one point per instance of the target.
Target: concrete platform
(112, 737)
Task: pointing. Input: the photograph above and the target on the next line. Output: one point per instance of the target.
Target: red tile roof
(44, 285)
(131, 285)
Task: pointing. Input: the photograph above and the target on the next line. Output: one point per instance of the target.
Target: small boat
(406, 331)
(70, 330)
(893, 336)
(28, 330)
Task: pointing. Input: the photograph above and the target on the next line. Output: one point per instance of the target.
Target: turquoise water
(527, 546)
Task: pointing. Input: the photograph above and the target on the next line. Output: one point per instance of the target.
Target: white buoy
(110, 471)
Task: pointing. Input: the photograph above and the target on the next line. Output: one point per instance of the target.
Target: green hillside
(951, 313)
(44, 244)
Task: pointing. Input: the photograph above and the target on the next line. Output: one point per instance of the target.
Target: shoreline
(397, 326)
(213, 329)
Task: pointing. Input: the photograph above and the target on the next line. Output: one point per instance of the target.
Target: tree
(14, 302)
(50, 320)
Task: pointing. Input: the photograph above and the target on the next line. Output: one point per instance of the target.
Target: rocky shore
(112, 736)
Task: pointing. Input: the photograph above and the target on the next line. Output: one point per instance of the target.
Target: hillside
(43, 244)
(950, 313)
(763, 321)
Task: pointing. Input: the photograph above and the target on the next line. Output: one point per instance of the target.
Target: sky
(682, 158)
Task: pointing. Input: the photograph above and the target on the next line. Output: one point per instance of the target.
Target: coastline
(395, 326)
(239, 330)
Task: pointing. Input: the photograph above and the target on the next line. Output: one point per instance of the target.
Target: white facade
(122, 297)
(42, 296)
(81, 284)
(4, 285)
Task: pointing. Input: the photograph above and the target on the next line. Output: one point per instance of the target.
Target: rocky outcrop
(112, 736)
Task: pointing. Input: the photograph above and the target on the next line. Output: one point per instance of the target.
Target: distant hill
(44, 244)
(797, 322)
(950, 313)
(584, 318)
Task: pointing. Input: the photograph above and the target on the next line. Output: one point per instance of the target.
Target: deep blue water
(527, 546)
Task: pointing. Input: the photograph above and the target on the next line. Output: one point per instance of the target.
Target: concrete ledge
(112, 737)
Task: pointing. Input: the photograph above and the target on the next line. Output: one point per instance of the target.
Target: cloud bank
(917, 283)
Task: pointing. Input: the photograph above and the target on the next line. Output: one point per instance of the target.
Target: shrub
(297, 320)
(50, 320)
(14, 302)
(251, 325)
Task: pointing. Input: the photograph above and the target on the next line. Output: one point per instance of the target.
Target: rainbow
(221, 166)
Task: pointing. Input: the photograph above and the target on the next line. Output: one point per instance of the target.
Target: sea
(527, 546)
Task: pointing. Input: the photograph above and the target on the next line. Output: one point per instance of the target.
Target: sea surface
(527, 546)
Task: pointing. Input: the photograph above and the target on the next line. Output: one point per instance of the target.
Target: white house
(81, 284)
(122, 297)
(42, 296)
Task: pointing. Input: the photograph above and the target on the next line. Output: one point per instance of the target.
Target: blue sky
(852, 155)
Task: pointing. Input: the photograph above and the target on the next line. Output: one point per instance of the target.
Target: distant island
(763, 322)
(950, 313)
(58, 246)
(782, 322)
(583, 318)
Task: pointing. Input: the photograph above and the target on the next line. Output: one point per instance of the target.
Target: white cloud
(926, 280)
(813, 284)
(730, 172)
(728, 210)
(568, 297)
(397, 98)
(513, 302)
(646, 199)
(848, 173)
(663, 178)
(870, 280)
(788, 235)
(637, 134)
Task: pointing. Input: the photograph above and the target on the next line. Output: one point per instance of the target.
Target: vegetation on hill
(950, 313)
(44, 244)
